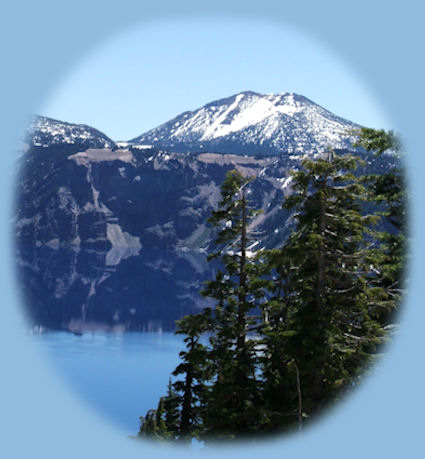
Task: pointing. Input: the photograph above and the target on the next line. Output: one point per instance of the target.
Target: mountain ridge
(254, 124)
(245, 123)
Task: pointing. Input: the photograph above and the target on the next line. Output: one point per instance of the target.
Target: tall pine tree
(327, 330)
(232, 405)
(196, 370)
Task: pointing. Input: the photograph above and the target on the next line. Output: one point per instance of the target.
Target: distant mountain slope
(253, 124)
(47, 132)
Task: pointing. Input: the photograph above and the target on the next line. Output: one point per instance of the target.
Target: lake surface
(122, 351)
(120, 375)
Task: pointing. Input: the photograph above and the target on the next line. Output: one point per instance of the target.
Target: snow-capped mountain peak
(252, 123)
(46, 132)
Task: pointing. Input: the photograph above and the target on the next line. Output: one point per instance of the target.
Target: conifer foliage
(294, 327)
(327, 329)
(389, 191)
(231, 403)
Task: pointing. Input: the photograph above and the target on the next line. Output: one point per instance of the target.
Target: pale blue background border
(383, 40)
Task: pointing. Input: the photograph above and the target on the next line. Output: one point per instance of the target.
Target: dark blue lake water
(120, 375)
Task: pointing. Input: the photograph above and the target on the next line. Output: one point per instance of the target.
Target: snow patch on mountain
(244, 113)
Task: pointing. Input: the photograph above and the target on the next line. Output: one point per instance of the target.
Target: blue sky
(141, 79)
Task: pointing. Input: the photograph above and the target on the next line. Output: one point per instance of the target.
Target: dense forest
(293, 328)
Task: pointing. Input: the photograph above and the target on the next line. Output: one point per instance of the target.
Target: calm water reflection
(77, 289)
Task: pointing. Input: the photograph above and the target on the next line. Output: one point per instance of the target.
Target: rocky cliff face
(117, 239)
(111, 199)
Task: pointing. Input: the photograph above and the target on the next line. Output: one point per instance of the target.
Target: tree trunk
(186, 415)
(320, 299)
(242, 283)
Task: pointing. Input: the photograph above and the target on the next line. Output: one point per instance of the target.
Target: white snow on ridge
(142, 147)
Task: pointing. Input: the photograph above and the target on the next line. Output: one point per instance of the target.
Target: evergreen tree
(171, 409)
(279, 382)
(195, 369)
(153, 424)
(177, 416)
(148, 424)
(327, 329)
(293, 327)
(388, 191)
(231, 407)
(162, 431)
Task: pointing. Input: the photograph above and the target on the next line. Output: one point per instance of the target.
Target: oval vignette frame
(350, 402)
